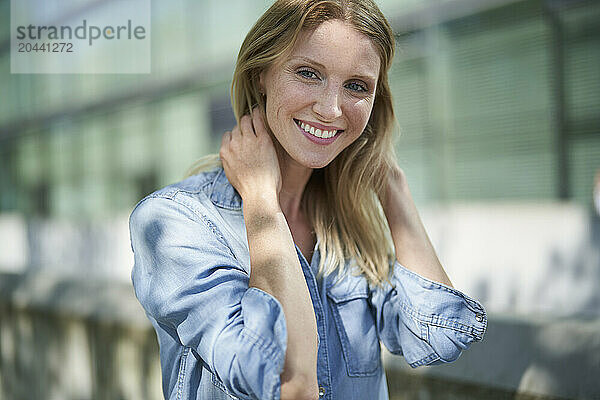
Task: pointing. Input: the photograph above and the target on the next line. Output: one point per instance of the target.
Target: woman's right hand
(249, 158)
(251, 164)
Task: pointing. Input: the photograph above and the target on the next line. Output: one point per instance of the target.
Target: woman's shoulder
(197, 183)
(192, 209)
(191, 192)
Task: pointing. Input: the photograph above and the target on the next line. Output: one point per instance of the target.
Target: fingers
(226, 138)
(249, 125)
(236, 134)
(246, 125)
(258, 122)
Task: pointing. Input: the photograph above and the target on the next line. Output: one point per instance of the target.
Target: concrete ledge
(83, 339)
(95, 299)
(69, 339)
(405, 386)
(537, 356)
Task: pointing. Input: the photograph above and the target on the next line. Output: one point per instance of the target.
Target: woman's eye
(357, 87)
(305, 73)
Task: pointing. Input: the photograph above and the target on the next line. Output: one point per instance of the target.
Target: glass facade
(493, 104)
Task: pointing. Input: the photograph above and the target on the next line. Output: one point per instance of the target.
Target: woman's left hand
(413, 247)
(396, 188)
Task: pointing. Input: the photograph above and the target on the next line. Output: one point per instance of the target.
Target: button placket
(318, 304)
(321, 391)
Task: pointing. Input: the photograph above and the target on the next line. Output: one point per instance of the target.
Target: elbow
(300, 389)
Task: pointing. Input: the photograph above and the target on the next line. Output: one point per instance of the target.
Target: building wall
(495, 103)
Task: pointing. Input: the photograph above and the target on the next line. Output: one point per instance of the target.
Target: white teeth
(317, 132)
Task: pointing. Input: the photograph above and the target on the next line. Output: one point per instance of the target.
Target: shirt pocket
(356, 328)
(215, 381)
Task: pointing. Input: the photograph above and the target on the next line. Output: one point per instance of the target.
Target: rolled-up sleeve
(426, 321)
(188, 280)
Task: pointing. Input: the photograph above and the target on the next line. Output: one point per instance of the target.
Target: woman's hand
(413, 247)
(249, 158)
(396, 193)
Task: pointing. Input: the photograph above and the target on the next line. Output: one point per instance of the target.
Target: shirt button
(479, 318)
(321, 391)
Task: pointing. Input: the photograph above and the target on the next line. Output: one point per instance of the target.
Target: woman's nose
(328, 105)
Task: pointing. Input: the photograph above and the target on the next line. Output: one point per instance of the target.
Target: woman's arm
(420, 315)
(413, 247)
(276, 270)
(251, 165)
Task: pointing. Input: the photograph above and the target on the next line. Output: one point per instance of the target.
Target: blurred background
(498, 106)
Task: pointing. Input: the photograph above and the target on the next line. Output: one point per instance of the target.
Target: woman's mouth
(317, 135)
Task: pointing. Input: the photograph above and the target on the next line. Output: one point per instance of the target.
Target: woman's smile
(318, 133)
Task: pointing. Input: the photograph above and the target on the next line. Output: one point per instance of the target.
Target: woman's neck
(294, 178)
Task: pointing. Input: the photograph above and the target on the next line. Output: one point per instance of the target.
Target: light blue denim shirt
(221, 339)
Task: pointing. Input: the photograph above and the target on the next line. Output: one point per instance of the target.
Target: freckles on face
(320, 96)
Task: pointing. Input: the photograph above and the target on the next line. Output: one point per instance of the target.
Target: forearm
(411, 242)
(275, 269)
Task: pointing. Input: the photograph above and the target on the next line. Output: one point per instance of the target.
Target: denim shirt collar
(223, 194)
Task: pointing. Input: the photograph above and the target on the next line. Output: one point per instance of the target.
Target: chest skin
(304, 237)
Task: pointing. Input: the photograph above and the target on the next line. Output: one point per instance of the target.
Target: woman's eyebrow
(365, 77)
(308, 60)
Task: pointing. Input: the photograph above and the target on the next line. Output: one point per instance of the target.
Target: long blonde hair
(341, 199)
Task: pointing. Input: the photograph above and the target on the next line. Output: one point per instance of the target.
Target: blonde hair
(341, 199)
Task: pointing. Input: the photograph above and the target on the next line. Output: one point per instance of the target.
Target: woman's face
(325, 87)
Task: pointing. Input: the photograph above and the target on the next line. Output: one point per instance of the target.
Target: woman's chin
(308, 159)
(314, 163)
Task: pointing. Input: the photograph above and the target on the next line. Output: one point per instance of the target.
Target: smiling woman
(276, 271)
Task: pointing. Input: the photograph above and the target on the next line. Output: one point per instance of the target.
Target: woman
(274, 276)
